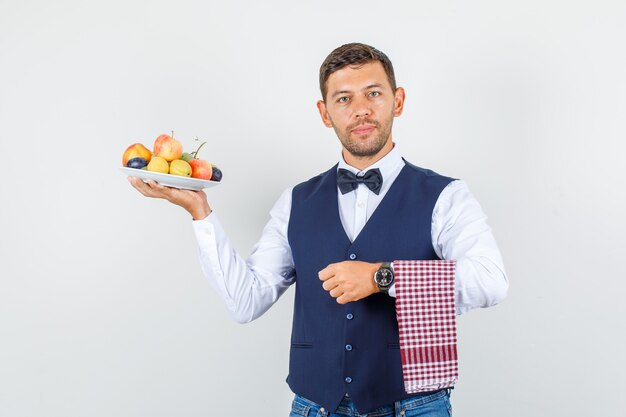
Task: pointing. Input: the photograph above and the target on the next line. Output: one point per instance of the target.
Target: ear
(321, 106)
(398, 102)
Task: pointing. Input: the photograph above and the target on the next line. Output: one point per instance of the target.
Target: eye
(374, 93)
(343, 99)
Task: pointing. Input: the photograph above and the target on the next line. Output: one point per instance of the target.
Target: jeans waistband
(348, 408)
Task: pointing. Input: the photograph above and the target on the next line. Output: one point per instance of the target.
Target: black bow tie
(347, 181)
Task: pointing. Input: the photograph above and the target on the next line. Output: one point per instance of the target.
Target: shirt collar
(387, 164)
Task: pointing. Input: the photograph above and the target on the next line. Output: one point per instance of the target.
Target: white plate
(175, 181)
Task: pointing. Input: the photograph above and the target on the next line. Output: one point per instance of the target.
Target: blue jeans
(436, 404)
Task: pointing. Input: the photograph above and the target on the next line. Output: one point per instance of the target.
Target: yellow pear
(180, 167)
(158, 164)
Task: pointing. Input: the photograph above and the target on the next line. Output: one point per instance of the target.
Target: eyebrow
(369, 87)
(338, 93)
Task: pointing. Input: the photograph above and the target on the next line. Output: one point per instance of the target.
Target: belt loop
(398, 409)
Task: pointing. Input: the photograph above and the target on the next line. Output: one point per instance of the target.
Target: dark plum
(136, 163)
(216, 175)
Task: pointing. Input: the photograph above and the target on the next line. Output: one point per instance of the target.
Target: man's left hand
(349, 280)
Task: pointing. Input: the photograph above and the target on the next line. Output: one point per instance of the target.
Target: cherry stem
(195, 154)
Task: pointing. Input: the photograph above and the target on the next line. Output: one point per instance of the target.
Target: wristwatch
(384, 277)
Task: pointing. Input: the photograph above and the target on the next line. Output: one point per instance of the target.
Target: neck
(362, 162)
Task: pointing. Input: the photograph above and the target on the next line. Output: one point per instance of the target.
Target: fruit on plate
(159, 164)
(167, 147)
(217, 174)
(186, 156)
(137, 163)
(201, 169)
(169, 158)
(136, 150)
(180, 167)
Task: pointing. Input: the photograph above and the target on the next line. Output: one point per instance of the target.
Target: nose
(361, 108)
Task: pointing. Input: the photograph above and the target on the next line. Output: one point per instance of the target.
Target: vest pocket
(393, 345)
(301, 345)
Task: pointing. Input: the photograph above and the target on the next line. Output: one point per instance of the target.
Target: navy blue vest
(353, 348)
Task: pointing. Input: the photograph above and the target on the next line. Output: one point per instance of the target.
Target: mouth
(363, 129)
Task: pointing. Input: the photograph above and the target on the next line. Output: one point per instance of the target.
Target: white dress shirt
(459, 232)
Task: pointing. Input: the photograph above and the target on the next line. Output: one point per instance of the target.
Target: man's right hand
(195, 202)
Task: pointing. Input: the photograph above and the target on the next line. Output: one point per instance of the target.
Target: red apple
(168, 148)
(136, 150)
(201, 169)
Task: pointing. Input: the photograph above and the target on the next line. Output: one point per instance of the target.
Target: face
(360, 105)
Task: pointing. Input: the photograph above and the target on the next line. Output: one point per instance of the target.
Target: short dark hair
(353, 54)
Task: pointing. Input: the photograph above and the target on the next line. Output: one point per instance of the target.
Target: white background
(103, 309)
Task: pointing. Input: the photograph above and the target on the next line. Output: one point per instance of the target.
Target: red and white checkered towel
(426, 320)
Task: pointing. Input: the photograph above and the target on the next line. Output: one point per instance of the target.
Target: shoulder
(456, 195)
(428, 176)
(311, 185)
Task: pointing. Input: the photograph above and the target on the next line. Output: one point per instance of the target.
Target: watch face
(384, 277)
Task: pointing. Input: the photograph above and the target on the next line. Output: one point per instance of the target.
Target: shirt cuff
(210, 236)
(205, 229)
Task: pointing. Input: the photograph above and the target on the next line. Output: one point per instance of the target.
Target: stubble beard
(360, 147)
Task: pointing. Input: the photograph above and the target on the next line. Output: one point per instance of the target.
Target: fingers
(344, 299)
(336, 292)
(330, 284)
(139, 185)
(327, 272)
(195, 202)
(147, 189)
(134, 181)
(349, 281)
(150, 188)
(338, 289)
(331, 281)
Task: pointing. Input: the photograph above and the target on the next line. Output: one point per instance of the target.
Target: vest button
(353, 256)
(348, 380)
(349, 316)
(348, 348)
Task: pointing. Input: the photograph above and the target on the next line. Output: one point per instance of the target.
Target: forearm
(247, 287)
(480, 282)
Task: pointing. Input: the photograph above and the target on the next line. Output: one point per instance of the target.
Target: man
(335, 237)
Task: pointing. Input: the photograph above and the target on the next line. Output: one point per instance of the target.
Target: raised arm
(249, 287)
